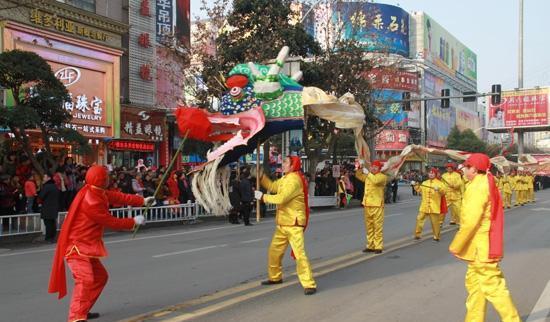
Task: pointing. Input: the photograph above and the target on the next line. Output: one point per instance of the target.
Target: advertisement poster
(439, 124)
(525, 108)
(447, 52)
(378, 27)
(164, 19)
(295, 137)
(467, 119)
(392, 140)
(391, 114)
(385, 78)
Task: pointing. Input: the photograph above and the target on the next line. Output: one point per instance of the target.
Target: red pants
(89, 279)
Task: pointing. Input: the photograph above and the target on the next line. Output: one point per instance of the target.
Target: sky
(490, 29)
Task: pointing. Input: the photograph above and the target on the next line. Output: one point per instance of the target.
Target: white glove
(258, 194)
(139, 220)
(436, 189)
(365, 171)
(149, 201)
(413, 183)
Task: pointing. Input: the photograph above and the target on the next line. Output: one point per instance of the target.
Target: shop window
(88, 5)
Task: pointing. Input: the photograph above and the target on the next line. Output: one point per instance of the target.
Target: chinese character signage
(142, 124)
(439, 122)
(132, 145)
(392, 140)
(183, 21)
(382, 78)
(445, 51)
(51, 21)
(524, 108)
(391, 114)
(378, 27)
(86, 103)
(165, 19)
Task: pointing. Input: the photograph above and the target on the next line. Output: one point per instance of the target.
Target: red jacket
(82, 230)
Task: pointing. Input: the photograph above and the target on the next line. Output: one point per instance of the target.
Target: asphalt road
(412, 281)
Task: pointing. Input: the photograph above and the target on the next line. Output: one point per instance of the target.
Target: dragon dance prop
(260, 102)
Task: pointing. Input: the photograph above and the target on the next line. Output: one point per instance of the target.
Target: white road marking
(188, 251)
(252, 241)
(540, 209)
(394, 215)
(542, 308)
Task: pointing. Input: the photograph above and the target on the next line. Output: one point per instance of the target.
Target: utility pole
(520, 71)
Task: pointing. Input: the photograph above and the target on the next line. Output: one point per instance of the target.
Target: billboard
(523, 108)
(439, 124)
(390, 113)
(392, 140)
(393, 79)
(378, 27)
(445, 51)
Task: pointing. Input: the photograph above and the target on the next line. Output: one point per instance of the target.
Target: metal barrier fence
(32, 224)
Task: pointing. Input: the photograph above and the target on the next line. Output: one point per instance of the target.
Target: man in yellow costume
(505, 188)
(530, 186)
(453, 194)
(521, 187)
(432, 191)
(290, 195)
(373, 203)
(479, 241)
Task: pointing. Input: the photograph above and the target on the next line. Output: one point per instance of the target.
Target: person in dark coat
(50, 196)
(394, 186)
(247, 196)
(235, 199)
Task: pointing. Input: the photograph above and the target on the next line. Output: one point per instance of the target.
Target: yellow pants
(507, 199)
(485, 282)
(434, 218)
(281, 238)
(374, 227)
(531, 194)
(454, 212)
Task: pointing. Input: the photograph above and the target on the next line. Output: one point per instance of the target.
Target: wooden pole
(258, 180)
(164, 176)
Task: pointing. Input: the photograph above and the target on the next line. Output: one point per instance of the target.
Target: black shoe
(92, 316)
(416, 237)
(436, 239)
(378, 251)
(452, 223)
(270, 282)
(368, 250)
(310, 291)
(248, 224)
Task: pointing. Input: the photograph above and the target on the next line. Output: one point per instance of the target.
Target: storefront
(91, 73)
(142, 136)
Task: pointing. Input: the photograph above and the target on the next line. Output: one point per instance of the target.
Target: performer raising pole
(290, 194)
(80, 242)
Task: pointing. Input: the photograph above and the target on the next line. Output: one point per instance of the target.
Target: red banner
(392, 140)
(527, 108)
(132, 145)
(383, 78)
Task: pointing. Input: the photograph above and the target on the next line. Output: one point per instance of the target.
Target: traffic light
(406, 97)
(496, 92)
(469, 99)
(445, 102)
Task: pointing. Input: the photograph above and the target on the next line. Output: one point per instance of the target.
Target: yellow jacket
(530, 182)
(471, 242)
(504, 184)
(431, 199)
(455, 186)
(374, 188)
(289, 198)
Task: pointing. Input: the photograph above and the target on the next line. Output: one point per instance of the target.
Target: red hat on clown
(479, 161)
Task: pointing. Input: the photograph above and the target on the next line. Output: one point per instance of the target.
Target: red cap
(376, 163)
(479, 161)
(450, 165)
(434, 170)
(295, 163)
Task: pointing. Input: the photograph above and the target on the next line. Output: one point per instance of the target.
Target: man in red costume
(80, 241)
